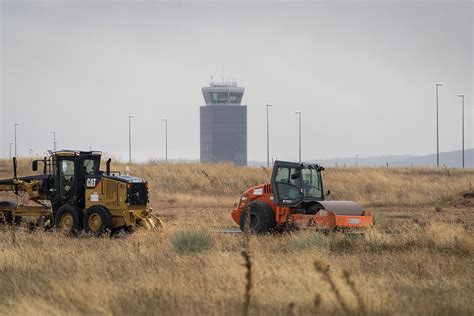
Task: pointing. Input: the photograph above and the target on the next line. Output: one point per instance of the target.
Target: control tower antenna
(222, 69)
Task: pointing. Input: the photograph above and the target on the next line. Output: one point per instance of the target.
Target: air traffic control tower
(224, 124)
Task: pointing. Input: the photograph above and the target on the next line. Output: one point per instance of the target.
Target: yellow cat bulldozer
(73, 194)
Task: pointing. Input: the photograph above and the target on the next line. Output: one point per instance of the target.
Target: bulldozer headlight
(323, 213)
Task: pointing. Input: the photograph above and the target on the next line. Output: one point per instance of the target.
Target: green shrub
(313, 240)
(191, 242)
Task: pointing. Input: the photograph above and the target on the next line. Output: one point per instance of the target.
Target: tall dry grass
(368, 186)
(48, 273)
(406, 267)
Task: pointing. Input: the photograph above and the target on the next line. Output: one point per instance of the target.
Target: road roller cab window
(287, 183)
(312, 184)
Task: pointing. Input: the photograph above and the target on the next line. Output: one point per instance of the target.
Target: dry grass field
(418, 260)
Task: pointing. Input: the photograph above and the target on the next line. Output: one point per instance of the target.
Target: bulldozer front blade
(152, 222)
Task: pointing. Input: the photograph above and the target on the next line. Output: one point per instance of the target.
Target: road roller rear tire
(262, 218)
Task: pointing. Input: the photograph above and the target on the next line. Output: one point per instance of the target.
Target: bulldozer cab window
(91, 166)
(66, 175)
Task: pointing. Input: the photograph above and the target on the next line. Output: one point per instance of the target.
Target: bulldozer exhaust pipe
(15, 175)
(107, 166)
(14, 168)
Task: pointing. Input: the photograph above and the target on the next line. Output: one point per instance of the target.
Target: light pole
(16, 124)
(11, 143)
(130, 137)
(268, 139)
(299, 133)
(462, 98)
(437, 125)
(166, 137)
(54, 140)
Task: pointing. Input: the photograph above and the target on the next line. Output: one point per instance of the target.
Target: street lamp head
(439, 84)
(16, 124)
(164, 119)
(12, 143)
(461, 95)
(269, 105)
(298, 112)
(131, 115)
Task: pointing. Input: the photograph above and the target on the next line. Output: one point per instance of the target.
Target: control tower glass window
(226, 97)
(235, 97)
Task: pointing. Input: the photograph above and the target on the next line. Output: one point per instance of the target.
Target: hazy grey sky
(362, 73)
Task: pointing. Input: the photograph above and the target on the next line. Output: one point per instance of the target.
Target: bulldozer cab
(69, 170)
(293, 183)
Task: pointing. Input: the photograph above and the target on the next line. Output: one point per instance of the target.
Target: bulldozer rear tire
(98, 220)
(262, 218)
(68, 217)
